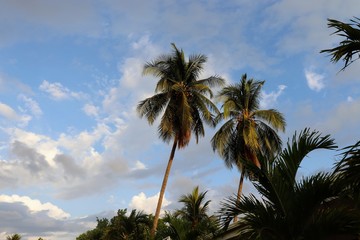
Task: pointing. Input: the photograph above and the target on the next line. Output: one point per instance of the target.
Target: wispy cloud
(10, 115)
(58, 92)
(31, 105)
(269, 99)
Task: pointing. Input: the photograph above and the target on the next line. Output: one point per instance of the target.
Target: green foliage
(191, 222)
(314, 207)
(14, 237)
(133, 227)
(348, 47)
(248, 130)
(181, 97)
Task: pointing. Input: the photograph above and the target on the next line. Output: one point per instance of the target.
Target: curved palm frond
(301, 145)
(348, 47)
(311, 208)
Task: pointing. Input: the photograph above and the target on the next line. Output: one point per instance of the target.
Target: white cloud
(147, 204)
(91, 110)
(11, 115)
(32, 219)
(269, 99)
(36, 206)
(139, 165)
(314, 80)
(7, 112)
(58, 92)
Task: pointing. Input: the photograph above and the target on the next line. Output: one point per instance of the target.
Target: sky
(72, 146)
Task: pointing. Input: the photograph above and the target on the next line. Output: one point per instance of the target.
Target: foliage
(14, 237)
(248, 130)
(181, 97)
(348, 47)
(313, 207)
(120, 227)
(191, 222)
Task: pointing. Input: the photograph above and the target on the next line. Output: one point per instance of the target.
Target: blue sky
(72, 147)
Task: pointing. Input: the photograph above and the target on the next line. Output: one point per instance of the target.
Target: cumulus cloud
(36, 206)
(147, 204)
(32, 219)
(314, 80)
(58, 92)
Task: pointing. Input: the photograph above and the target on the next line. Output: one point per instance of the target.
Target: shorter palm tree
(195, 209)
(132, 227)
(192, 221)
(248, 130)
(348, 47)
(313, 207)
(14, 237)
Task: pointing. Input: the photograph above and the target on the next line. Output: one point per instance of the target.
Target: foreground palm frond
(314, 207)
(348, 47)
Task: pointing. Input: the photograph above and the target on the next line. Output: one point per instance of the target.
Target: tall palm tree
(184, 102)
(248, 130)
(348, 47)
(310, 208)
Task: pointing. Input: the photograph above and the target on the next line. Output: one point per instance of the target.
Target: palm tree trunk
(162, 191)
(241, 183)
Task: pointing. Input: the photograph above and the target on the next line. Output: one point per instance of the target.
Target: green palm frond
(301, 145)
(153, 106)
(348, 47)
(348, 168)
(273, 117)
(314, 207)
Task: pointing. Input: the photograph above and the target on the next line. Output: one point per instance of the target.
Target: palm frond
(301, 145)
(153, 106)
(348, 47)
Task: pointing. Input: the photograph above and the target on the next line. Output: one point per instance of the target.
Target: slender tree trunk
(241, 183)
(162, 191)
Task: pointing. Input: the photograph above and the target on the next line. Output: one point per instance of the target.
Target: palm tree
(248, 130)
(348, 47)
(310, 208)
(14, 237)
(192, 221)
(132, 227)
(195, 209)
(184, 102)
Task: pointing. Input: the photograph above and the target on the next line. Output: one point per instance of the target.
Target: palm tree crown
(182, 99)
(248, 130)
(180, 96)
(195, 208)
